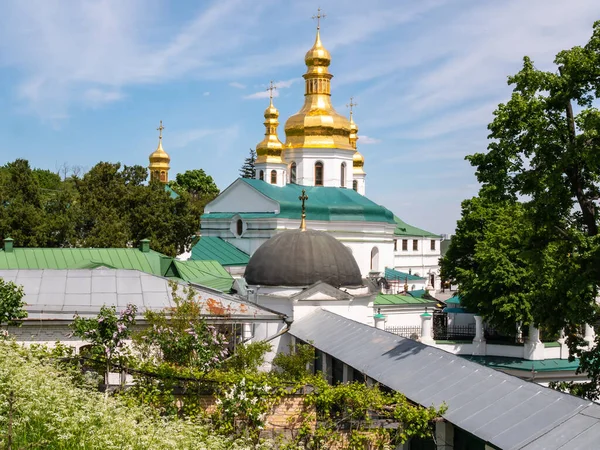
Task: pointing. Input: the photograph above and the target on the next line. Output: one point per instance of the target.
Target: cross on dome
(319, 16)
(271, 88)
(160, 128)
(303, 198)
(351, 104)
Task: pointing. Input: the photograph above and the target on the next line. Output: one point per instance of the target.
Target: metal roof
(404, 229)
(500, 409)
(206, 273)
(59, 294)
(216, 249)
(393, 274)
(398, 299)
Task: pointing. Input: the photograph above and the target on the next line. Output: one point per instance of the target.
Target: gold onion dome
(317, 124)
(159, 160)
(270, 148)
(358, 162)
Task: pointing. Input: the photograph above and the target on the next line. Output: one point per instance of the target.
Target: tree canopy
(110, 206)
(248, 170)
(527, 248)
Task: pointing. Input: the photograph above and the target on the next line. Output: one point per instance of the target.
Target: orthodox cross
(319, 16)
(303, 198)
(160, 128)
(351, 104)
(271, 88)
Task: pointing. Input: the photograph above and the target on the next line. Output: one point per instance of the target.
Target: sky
(89, 81)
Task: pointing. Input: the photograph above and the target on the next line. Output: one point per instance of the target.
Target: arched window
(240, 227)
(163, 177)
(355, 185)
(273, 177)
(261, 175)
(343, 175)
(293, 172)
(375, 259)
(319, 173)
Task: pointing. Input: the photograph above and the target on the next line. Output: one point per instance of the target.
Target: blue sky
(86, 81)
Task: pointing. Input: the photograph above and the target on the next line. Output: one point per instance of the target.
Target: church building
(320, 156)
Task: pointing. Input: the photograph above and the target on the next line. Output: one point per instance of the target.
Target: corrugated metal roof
(503, 410)
(393, 274)
(397, 299)
(206, 273)
(58, 294)
(82, 258)
(504, 362)
(210, 248)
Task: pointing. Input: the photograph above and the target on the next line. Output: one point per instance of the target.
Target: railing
(404, 331)
(454, 333)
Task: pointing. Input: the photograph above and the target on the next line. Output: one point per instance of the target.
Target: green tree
(12, 306)
(530, 242)
(248, 170)
(196, 183)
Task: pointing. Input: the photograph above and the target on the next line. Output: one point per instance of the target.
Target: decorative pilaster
(426, 329)
(479, 343)
(379, 321)
(534, 348)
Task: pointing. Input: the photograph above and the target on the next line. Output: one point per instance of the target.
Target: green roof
(399, 299)
(85, 258)
(504, 362)
(393, 274)
(216, 249)
(404, 229)
(324, 203)
(454, 300)
(206, 273)
(169, 190)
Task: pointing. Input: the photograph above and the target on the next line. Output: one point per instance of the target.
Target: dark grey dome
(301, 258)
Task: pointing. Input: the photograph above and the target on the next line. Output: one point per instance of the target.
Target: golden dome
(159, 160)
(353, 137)
(358, 162)
(270, 148)
(317, 124)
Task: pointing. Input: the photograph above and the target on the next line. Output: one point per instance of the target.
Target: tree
(12, 310)
(196, 183)
(106, 333)
(247, 170)
(531, 238)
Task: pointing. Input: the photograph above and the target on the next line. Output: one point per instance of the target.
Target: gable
(322, 292)
(241, 197)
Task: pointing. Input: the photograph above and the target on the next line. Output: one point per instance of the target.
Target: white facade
(336, 166)
(272, 173)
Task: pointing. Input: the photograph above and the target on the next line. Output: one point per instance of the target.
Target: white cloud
(97, 97)
(368, 140)
(237, 85)
(206, 93)
(265, 93)
(260, 94)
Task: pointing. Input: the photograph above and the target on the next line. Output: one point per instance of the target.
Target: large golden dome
(317, 124)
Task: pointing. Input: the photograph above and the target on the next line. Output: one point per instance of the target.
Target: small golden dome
(353, 137)
(358, 162)
(270, 148)
(317, 124)
(159, 160)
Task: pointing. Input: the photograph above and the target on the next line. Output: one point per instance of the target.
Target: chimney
(8, 245)
(145, 245)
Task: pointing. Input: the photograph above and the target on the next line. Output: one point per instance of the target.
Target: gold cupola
(159, 160)
(317, 124)
(270, 148)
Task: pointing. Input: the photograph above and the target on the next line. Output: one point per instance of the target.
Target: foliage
(106, 333)
(12, 310)
(248, 357)
(200, 186)
(537, 215)
(110, 206)
(248, 168)
(294, 364)
(47, 411)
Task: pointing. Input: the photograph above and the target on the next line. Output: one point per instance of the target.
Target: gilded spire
(159, 160)
(303, 198)
(353, 137)
(317, 124)
(270, 148)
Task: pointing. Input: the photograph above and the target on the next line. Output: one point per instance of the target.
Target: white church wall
(399, 318)
(331, 158)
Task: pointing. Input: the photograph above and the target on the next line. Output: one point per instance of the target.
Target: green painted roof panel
(544, 365)
(216, 249)
(399, 299)
(393, 274)
(206, 273)
(404, 229)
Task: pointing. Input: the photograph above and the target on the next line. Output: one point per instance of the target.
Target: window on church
(343, 175)
(261, 175)
(404, 245)
(293, 173)
(355, 185)
(319, 174)
(375, 259)
(395, 245)
(239, 227)
(415, 245)
(433, 244)
(273, 177)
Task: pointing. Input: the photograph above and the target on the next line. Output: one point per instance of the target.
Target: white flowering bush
(44, 409)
